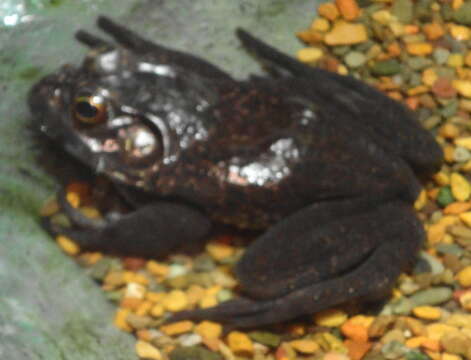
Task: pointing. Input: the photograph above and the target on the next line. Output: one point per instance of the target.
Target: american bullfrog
(324, 165)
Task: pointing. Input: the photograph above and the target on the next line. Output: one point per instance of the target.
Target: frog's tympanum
(326, 165)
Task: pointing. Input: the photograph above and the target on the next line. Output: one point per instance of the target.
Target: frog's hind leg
(161, 54)
(92, 41)
(387, 237)
(153, 231)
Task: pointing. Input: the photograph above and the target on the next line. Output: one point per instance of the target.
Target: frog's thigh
(151, 231)
(322, 242)
(399, 236)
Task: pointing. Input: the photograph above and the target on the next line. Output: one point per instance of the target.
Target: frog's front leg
(364, 255)
(154, 230)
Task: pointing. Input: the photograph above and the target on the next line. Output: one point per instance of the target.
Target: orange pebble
(356, 332)
(412, 102)
(433, 31)
(457, 208)
(411, 29)
(348, 9)
(357, 349)
(328, 11)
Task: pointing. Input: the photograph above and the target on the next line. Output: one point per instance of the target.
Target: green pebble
(446, 11)
(403, 10)
(419, 62)
(394, 350)
(415, 79)
(265, 338)
(224, 295)
(436, 267)
(178, 282)
(193, 353)
(440, 55)
(203, 263)
(450, 109)
(114, 296)
(355, 59)
(386, 68)
(450, 249)
(431, 122)
(403, 306)
(99, 270)
(432, 296)
(422, 10)
(340, 50)
(60, 220)
(463, 14)
(445, 196)
(416, 355)
(461, 154)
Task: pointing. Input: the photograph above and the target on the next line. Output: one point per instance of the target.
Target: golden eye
(90, 109)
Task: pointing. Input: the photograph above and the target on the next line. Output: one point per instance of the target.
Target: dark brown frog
(326, 164)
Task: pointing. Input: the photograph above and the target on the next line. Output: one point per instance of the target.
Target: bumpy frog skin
(326, 164)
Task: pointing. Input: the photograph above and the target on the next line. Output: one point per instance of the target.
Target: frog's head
(99, 112)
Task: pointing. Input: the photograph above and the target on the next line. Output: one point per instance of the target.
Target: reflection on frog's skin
(328, 165)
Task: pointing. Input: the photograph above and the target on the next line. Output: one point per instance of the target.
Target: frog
(324, 167)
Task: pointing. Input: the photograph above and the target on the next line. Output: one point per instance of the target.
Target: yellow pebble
(73, 199)
(383, 17)
(309, 54)
(177, 328)
(305, 346)
(460, 32)
(421, 200)
(448, 356)
(320, 24)
(146, 350)
(330, 318)
(344, 33)
(463, 87)
(90, 212)
(209, 329)
(154, 296)
(157, 310)
(456, 4)
(455, 60)
(460, 187)
(219, 251)
(67, 245)
(208, 301)
(175, 300)
(464, 277)
(240, 343)
(342, 70)
(120, 319)
(427, 312)
(144, 308)
(467, 58)
(156, 268)
(436, 331)
(464, 142)
(442, 178)
(466, 218)
(429, 76)
(420, 49)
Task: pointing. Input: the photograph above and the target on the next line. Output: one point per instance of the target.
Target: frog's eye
(90, 110)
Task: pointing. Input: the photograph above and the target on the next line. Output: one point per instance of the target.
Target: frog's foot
(298, 268)
(153, 52)
(154, 230)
